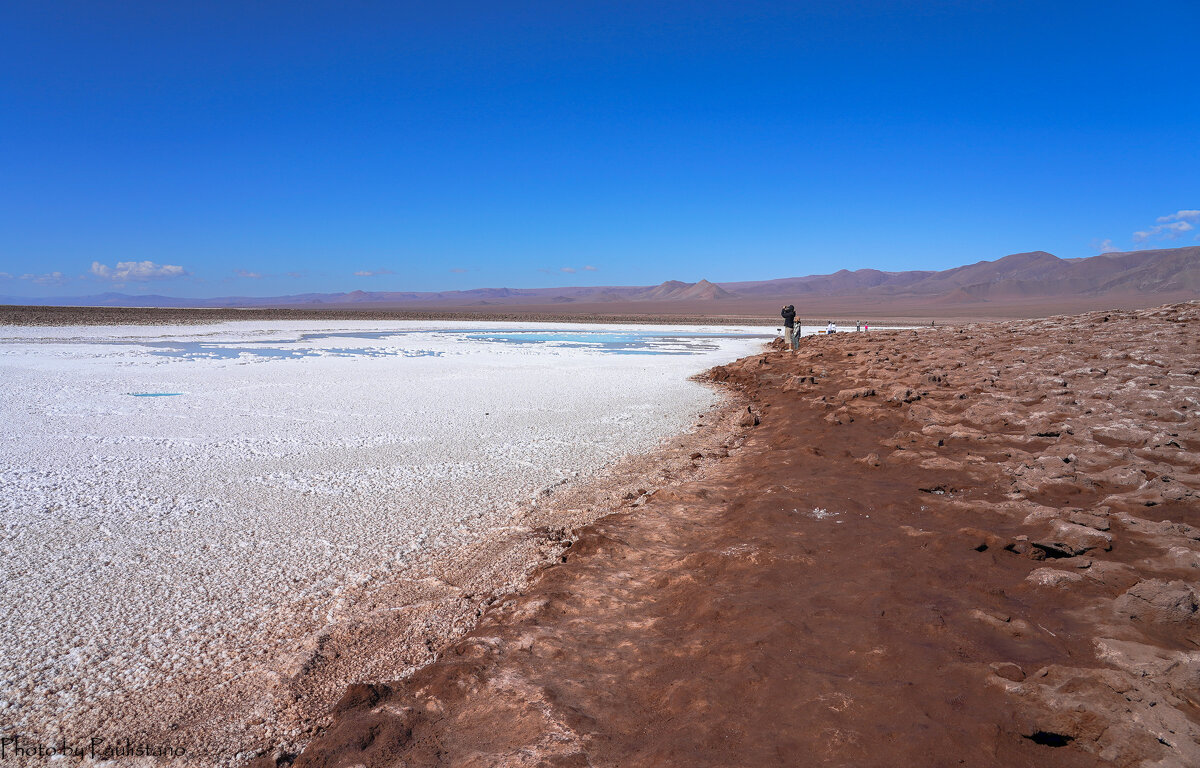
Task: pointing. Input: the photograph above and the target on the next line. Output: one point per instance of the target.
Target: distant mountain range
(1172, 274)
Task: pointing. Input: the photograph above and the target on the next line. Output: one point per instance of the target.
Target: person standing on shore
(788, 314)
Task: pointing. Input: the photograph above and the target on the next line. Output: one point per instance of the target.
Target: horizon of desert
(1024, 285)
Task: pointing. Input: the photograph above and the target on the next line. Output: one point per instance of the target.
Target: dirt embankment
(380, 629)
(974, 545)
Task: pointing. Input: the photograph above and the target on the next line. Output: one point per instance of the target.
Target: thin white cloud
(50, 278)
(1163, 231)
(5, 276)
(247, 274)
(373, 272)
(569, 270)
(1169, 227)
(1104, 246)
(1179, 216)
(589, 268)
(458, 270)
(137, 271)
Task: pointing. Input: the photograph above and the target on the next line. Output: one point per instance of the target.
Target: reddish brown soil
(967, 546)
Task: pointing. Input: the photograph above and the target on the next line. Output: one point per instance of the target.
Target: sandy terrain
(975, 545)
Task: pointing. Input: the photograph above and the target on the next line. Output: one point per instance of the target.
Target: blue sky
(266, 148)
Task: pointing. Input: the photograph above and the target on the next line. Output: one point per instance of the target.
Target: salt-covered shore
(194, 513)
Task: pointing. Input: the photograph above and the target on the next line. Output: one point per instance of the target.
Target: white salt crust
(149, 537)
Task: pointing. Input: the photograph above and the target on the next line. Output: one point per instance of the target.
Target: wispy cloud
(137, 271)
(1179, 216)
(245, 273)
(589, 268)
(5, 276)
(1169, 227)
(1104, 246)
(295, 274)
(373, 272)
(49, 278)
(458, 270)
(569, 270)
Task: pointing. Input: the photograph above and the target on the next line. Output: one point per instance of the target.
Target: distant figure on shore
(788, 314)
(831, 328)
(867, 328)
(857, 326)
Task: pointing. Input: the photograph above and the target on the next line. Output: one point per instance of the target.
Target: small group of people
(792, 331)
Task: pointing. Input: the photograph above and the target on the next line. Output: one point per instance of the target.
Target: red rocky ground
(958, 546)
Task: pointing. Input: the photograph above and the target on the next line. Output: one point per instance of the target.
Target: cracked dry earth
(958, 546)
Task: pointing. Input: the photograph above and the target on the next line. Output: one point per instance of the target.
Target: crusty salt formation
(206, 535)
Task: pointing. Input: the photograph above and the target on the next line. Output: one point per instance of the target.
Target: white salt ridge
(147, 537)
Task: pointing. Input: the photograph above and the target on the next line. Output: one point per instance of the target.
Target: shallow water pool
(403, 343)
(618, 342)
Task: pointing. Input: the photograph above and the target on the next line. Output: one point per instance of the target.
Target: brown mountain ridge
(1021, 284)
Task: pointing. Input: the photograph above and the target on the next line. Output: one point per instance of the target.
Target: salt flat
(171, 496)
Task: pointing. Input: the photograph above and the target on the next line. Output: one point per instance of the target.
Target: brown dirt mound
(954, 546)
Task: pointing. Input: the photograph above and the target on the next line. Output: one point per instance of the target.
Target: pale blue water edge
(232, 350)
(617, 342)
(611, 342)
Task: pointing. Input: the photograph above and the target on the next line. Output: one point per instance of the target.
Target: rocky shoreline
(975, 544)
(241, 557)
(407, 623)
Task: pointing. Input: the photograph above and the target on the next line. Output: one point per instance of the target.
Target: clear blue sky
(266, 148)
